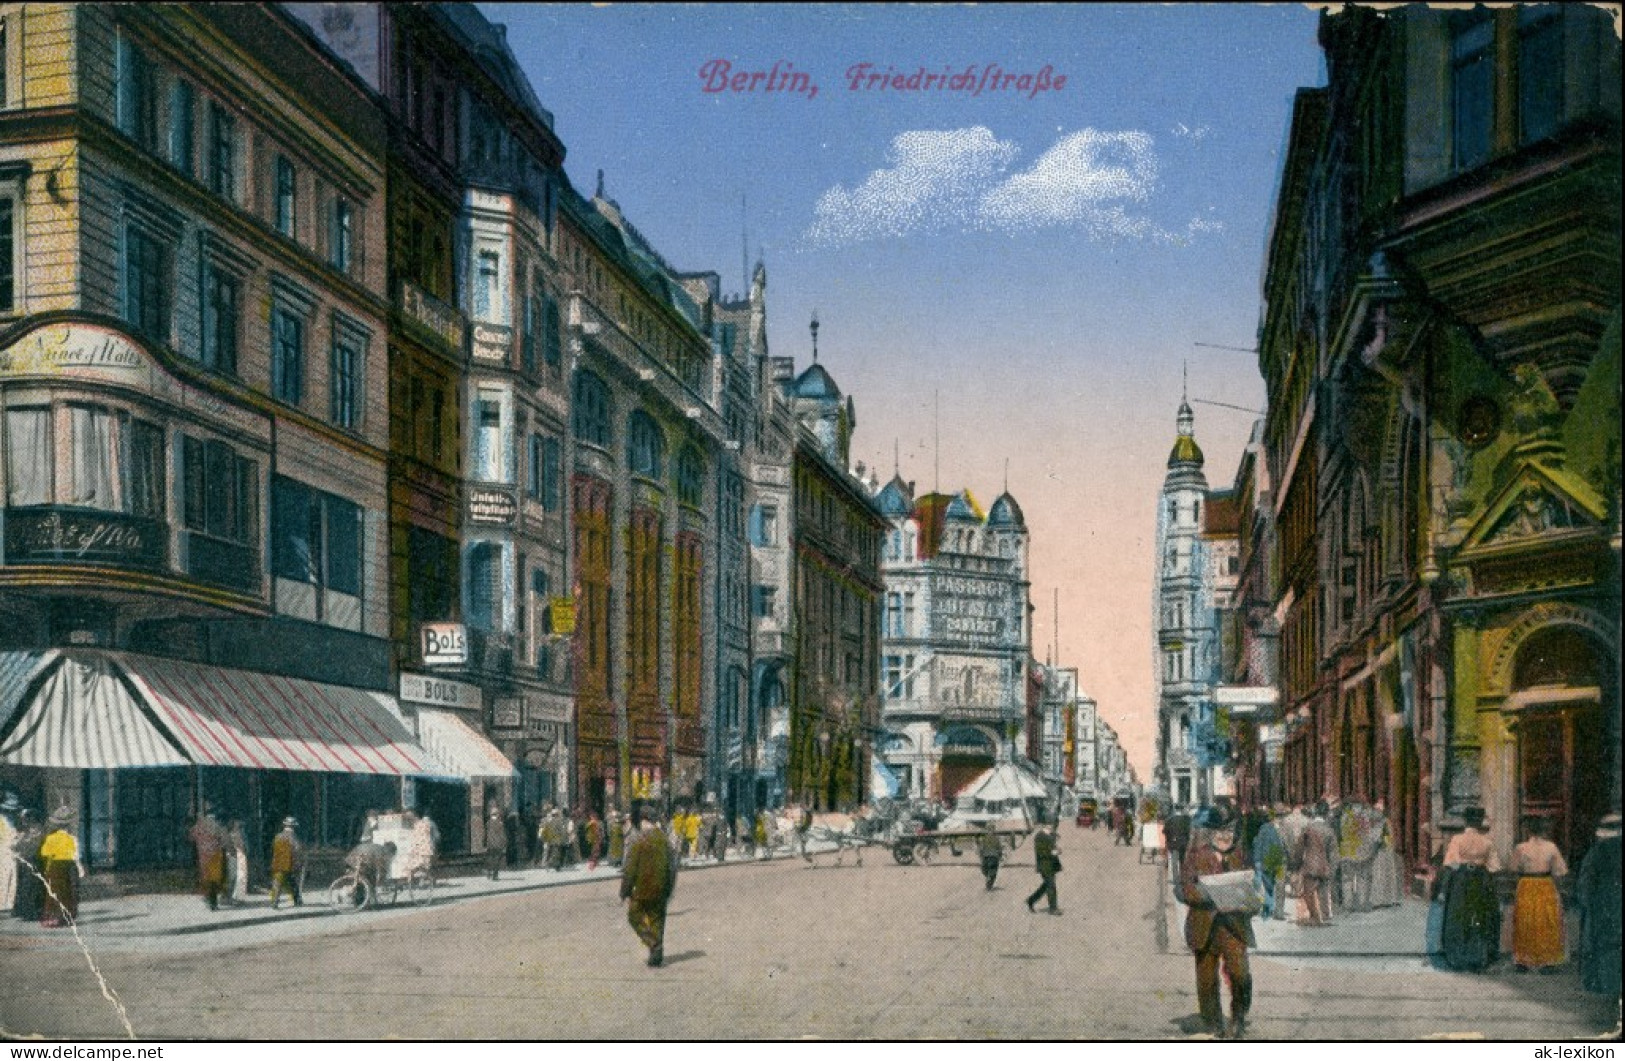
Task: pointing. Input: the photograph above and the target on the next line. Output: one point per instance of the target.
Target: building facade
(193, 373)
(1441, 347)
(956, 638)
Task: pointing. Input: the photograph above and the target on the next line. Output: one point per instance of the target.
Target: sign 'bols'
(444, 644)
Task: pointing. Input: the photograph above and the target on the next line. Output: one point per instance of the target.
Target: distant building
(955, 637)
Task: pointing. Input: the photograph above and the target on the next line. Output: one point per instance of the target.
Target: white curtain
(94, 473)
(28, 456)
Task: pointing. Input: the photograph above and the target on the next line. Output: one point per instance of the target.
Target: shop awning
(221, 717)
(459, 750)
(81, 715)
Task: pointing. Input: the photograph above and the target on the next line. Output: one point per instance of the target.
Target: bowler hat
(290, 822)
(1215, 818)
(61, 818)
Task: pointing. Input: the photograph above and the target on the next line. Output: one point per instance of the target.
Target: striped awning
(83, 716)
(17, 672)
(222, 717)
(458, 749)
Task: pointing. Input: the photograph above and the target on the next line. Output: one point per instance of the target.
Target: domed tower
(1008, 527)
(1180, 652)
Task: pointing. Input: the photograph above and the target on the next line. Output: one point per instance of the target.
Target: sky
(1012, 274)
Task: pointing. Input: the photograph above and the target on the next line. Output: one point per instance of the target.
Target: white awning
(459, 750)
(1005, 783)
(85, 716)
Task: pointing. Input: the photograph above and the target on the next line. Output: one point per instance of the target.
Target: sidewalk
(1389, 932)
(181, 918)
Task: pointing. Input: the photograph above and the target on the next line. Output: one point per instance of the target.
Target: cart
(925, 844)
(354, 891)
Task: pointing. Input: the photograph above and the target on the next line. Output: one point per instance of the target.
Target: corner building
(193, 317)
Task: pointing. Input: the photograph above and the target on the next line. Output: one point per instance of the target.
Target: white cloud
(1100, 183)
(935, 177)
(1084, 179)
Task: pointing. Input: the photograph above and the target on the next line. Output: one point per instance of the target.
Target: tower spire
(814, 328)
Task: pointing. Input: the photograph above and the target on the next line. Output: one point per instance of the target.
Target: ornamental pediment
(1538, 503)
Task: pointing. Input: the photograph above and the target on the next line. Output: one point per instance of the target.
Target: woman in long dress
(59, 856)
(1386, 887)
(1471, 933)
(1537, 911)
(30, 898)
(237, 856)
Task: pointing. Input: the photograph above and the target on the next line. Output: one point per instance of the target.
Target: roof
(816, 382)
(893, 499)
(1221, 517)
(488, 44)
(964, 508)
(1005, 512)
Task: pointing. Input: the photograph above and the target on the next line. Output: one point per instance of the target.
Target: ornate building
(956, 638)
(1441, 349)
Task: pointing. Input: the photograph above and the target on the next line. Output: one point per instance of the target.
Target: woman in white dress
(237, 864)
(1386, 887)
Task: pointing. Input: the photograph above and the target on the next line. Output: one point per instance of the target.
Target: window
(287, 355)
(487, 276)
(484, 585)
(315, 537)
(222, 152)
(8, 249)
(764, 525)
(690, 477)
(218, 491)
(541, 591)
(146, 283)
(1472, 104)
(591, 416)
(136, 101)
(346, 374)
(488, 465)
(286, 185)
(763, 601)
(645, 445)
(221, 300)
(527, 335)
(552, 347)
(5, 64)
(431, 563)
(546, 471)
(894, 677)
(341, 239)
(1540, 72)
(29, 455)
(181, 119)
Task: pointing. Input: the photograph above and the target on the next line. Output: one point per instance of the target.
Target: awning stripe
(17, 671)
(84, 717)
(247, 719)
(459, 749)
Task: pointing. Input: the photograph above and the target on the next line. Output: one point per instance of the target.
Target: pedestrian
(1047, 858)
(422, 847)
(237, 863)
(991, 849)
(570, 849)
(496, 841)
(595, 837)
(287, 863)
(1537, 911)
(1269, 862)
(691, 834)
(759, 835)
(617, 838)
(9, 809)
(1353, 866)
(804, 820)
(1386, 889)
(371, 862)
(30, 900)
(1290, 823)
(1596, 889)
(530, 825)
(59, 861)
(1317, 846)
(552, 837)
(1176, 834)
(209, 842)
(1217, 937)
(648, 881)
(1470, 937)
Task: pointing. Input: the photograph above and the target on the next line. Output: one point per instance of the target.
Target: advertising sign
(440, 692)
(561, 616)
(486, 505)
(444, 644)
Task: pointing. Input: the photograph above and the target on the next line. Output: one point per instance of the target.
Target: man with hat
(287, 862)
(1217, 937)
(9, 809)
(648, 880)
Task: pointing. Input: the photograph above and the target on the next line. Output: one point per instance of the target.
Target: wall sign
(440, 692)
(492, 506)
(444, 644)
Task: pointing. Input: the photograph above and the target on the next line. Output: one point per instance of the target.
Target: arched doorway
(1564, 708)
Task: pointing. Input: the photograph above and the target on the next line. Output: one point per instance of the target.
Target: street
(755, 950)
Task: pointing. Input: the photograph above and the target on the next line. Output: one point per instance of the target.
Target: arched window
(691, 476)
(645, 445)
(591, 409)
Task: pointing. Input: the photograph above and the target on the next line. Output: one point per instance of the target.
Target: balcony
(433, 317)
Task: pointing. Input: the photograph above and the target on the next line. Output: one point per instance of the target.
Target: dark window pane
(343, 546)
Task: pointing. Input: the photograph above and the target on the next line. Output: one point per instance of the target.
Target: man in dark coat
(648, 880)
(1596, 888)
(1317, 854)
(496, 841)
(1217, 938)
(1047, 856)
(991, 850)
(1176, 833)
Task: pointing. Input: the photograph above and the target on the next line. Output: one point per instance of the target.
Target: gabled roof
(1005, 512)
(963, 508)
(816, 382)
(893, 499)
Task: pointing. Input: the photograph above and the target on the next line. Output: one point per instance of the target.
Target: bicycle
(353, 891)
